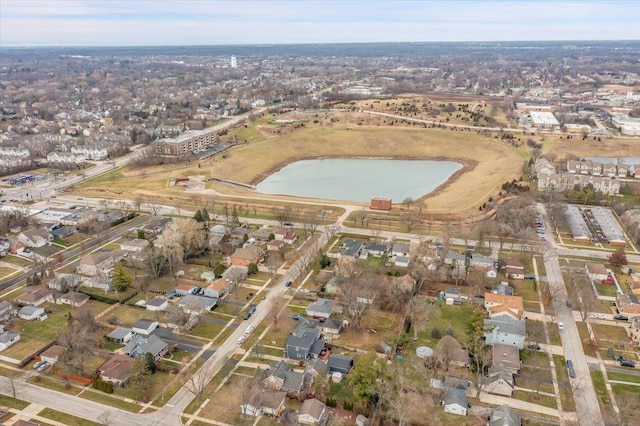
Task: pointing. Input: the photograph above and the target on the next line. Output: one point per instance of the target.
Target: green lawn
(108, 400)
(54, 384)
(13, 402)
(606, 290)
(624, 378)
(610, 333)
(534, 398)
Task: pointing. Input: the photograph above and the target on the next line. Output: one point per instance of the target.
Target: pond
(359, 180)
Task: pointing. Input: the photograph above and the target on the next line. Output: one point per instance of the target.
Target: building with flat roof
(189, 142)
(543, 119)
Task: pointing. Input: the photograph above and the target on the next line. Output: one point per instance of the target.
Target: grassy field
(67, 419)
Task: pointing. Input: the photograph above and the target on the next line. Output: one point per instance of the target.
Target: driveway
(168, 336)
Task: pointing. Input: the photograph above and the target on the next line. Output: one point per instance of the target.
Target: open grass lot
(495, 162)
(627, 399)
(386, 325)
(534, 398)
(66, 419)
(624, 377)
(108, 400)
(128, 315)
(25, 347)
(13, 402)
(609, 333)
(224, 405)
(16, 260)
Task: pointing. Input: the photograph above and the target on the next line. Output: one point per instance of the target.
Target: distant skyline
(174, 23)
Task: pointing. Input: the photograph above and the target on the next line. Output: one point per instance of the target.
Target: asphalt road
(584, 395)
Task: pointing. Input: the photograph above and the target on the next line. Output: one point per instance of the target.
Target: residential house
(90, 152)
(321, 308)
(339, 364)
(183, 289)
(64, 282)
(452, 293)
(35, 237)
(262, 234)
(196, 305)
(95, 264)
(506, 357)
(455, 401)
(455, 259)
(304, 341)
(217, 289)
(281, 377)
(499, 382)
(313, 369)
(35, 297)
(500, 304)
(247, 255)
(286, 235)
(610, 170)
(263, 401)
(74, 299)
(481, 262)
(331, 327)
(491, 273)
(156, 226)
(514, 268)
(275, 245)
(7, 311)
(15, 245)
(63, 231)
(52, 354)
(101, 283)
(120, 335)
(5, 246)
(373, 248)
(31, 313)
(597, 272)
(402, 261)
(8, 338)
(628, 304)
(134, 248)
(144, 327)
(313, 412)
(505, 330)
(140, 346)
(459, 359)
(157, 304)
(21, 422)
(400, 249)
(503, 289)
(65, 158)
(116, 370)
(504, 416)
(351, 248)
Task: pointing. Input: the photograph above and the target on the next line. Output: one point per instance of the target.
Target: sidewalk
(517, 404)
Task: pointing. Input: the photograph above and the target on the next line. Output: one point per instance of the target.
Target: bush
(435, 332)
(103, 386)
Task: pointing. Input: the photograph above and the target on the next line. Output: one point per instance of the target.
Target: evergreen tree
(121, 278)
(198, 216)
(151, 363)
(205, 215)
(219, 269)
(449, 331)
(435, 332)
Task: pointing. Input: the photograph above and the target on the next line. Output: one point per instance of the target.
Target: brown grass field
(488, 161)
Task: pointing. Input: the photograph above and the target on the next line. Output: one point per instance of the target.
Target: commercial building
(188, 143)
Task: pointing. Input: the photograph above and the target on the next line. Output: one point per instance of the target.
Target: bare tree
(106, 418)
(276, 309)
(14, 386)
(445, 349)
(137, 202)
(357, 297)
(196, 384)
(235, 275)
(153, 207)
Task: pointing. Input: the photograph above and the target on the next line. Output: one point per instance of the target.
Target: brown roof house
(286, 235)
(514, 268)
(628, 304)
(313, 412)
(95, 264)
(500, 304)
(506, 357)
(116, 370)
(597, 272)
(52, 354)
(248, 255)
(36, 297)
(499, 381)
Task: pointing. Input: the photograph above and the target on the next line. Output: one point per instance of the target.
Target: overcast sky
(185, 22)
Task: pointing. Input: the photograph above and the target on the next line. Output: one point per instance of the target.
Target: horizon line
(18, 46)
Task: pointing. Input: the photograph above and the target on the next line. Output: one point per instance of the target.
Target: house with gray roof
(455, 401)
(499, 381)
(339, 364)
(505, 358)
(373, 248)
(282, 377)
(305, 345)
(144, 326)
(7, 339)
(261, 400)
(120, 335)
(453, 258)
(195, 305)
(351, 247)
(140, 346)
(7, 310)
(505, 330)
(400, 249)
(504, 289)
(31, 313)
(482, 262)
(321, 308)
(313, 412)
(504, 416)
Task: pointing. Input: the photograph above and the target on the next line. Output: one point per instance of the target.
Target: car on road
(620, 318)
(569, 363)
(247, 316)
(252, 309)
(530, 277)
(249, 329)
(600, 316)
(414, 236)
(569, 304)
(288, 284)
(572, 373)
(43, 367)
(297, 317)
(560, 326)
(627, 363)
(242, 338)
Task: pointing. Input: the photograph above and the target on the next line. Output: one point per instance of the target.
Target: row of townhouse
(600, 169)
(57, 157)
(10, 151)
(9, 161)
(566, 182)
(90, 152)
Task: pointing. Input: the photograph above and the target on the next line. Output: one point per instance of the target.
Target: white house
(321, 308)
(31, 313)
(597, 272)
(35, 237)
(8, 338)
(505, 330)
(312, 412)
(95, 264)
(157, 304)
(144, 327)
(455, 401)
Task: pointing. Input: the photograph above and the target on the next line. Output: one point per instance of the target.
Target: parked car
(619, 358)
(534, 346)
(43, 366)
(249, 329)
(620, 318)
(626, 363)
(252, 309)
(569, 363)
(600, 316)
(297, 317)
(572, 373)
(37, 364)
(247, 316)
(569, 304)
(288, 284)
(560, 326)
(241, 339)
